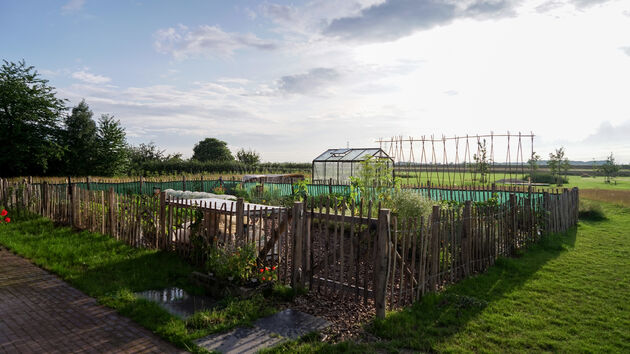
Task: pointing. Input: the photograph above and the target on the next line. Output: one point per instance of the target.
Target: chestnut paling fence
(354, 251)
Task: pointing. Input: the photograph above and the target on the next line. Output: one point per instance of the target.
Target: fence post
(297, 279)
(240, 219)
(141, 183)
(111, 200)
(435, 246)
(184, 182)
(160, 234)
(45, 199)
(330, 186)
(382, 262)
(87, 182)
(466, 234)
(512, 227)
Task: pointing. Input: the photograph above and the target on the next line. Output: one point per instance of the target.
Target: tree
(80, 141)
(30, 121)
(145, 153)
(533, 162)
(609, 168)
(558, 164)
(211, 149)
(112, 147)
(482, 163)
(249, 157)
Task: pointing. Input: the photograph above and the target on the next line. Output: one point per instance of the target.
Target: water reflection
(177, 301)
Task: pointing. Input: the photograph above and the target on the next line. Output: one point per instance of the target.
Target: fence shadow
(437, 317)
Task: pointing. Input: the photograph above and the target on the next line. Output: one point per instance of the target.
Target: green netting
(286, 189)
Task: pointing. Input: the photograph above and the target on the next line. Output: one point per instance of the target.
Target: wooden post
(512, 228)
(111, 200)
(141, 184)
(466, 234)
(184, 182)
(382, 262)
(45, 199)
(435, 246)
(240, 219)
(297, 280)
(429, 189)
(161, 232)
(330, 186)
(87, 183)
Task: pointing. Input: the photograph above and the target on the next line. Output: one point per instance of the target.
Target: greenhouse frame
(337, 165)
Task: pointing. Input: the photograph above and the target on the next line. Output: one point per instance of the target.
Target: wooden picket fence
(332, 247)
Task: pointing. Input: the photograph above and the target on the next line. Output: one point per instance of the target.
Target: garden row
(356, 251)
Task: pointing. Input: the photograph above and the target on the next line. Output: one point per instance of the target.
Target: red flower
(4, 212)
(267, 268)
(261, 270)
(263, 278)
(7, 219)
(273, 268)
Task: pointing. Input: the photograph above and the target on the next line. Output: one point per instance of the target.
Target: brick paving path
(41, 313)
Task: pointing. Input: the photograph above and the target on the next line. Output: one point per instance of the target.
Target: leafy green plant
(375, 181)
(300, 189)
(236, 266)
(409, 204)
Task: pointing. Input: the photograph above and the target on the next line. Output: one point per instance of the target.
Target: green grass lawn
(570, 293)
(111, 272)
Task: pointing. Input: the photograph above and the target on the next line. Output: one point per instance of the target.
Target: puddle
(177, 301)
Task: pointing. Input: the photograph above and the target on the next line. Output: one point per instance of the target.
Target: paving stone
(268, 331)
(240, 340)
(41, 313)
(292, 323)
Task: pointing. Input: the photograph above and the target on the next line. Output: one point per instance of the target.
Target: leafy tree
(558, 164)
(112, 146)
(145, 153)
(609, 168)
(30, 117)
(80, 141)
(533, 162)
(482, 163)
(249, 157)
(211, 149)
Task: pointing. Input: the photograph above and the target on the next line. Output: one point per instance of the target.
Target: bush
(409, 204)
(591, 210)
(548, 178)
(238, 266)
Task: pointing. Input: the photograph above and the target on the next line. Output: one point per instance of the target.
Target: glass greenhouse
(339, 164)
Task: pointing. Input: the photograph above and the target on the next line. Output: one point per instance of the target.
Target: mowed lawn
(570, 293)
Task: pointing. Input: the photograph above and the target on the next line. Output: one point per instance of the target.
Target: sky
(291, 79)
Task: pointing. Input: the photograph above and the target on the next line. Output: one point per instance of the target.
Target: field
(570, 293)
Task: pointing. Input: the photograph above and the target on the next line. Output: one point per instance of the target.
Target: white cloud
(205, 40)
(72, 6)
(90, 78)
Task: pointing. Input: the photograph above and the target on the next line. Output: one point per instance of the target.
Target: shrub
(548, 178)
(409, 204)
(238, 266)
(591, 210)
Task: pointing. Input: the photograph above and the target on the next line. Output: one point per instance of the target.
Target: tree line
(41, 136)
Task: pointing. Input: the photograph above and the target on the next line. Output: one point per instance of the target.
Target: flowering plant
(4, 217)
(267, 274)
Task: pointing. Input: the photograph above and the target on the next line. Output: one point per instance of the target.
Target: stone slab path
(40, 313)
(266, 332)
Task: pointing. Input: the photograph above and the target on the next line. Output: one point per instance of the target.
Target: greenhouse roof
(332, 155)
